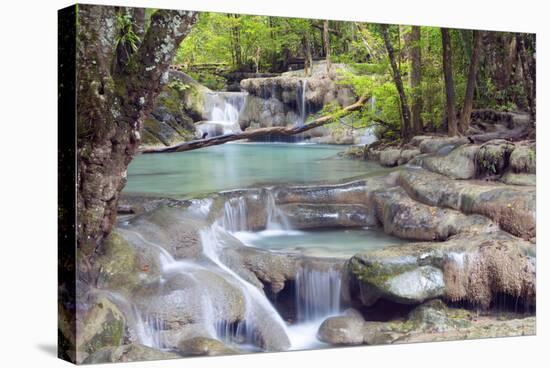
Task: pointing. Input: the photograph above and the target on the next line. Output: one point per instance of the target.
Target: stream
(237, 166)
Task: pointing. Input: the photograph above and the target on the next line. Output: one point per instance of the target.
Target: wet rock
(308, 216)
(123, 267)
(191, 295)
(341, 330)
(169, 228)
(511, 207)
(403, 217)
(204, 346)
(102, 325)
(472, 268)
(128, 353)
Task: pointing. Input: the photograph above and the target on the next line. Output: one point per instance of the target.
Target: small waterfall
(317, 294)
(276, 219)
(235, 217)
(258, 308)
(224, 109)
(301, 102)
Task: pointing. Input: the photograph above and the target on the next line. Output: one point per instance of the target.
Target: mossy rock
(102, 326)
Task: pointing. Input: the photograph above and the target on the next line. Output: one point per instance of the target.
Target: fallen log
(255, 133)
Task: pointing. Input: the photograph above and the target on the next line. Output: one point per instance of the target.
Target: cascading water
(258, 308)
(317, 294)
(235, 216)
(224, 109)
(301, 102)
(276, 219)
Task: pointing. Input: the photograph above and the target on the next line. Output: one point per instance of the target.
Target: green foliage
(127, 34)
(178, 86)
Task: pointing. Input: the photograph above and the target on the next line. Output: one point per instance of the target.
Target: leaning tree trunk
(405, 114)
(470, 87)
(416, 78)
(449, 83)
(111, 107)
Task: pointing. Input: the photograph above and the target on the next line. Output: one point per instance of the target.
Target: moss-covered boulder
(493, 157)
(122, 266)
(177, 107)
(103, 325)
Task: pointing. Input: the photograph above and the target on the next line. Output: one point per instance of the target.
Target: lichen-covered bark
(111, 107)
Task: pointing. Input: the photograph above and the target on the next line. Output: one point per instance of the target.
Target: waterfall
(258, 308)
(301, 102)
(317, 294)
(235, 217)
(276, 219)
(223, 110)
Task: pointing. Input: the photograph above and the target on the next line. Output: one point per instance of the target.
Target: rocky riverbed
(175, 279)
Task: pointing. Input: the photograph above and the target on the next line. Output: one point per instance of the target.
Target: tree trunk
(111, 107)
(308, 57)
(326, 43)
(470, 87)
(416, 78)
(405, 114)
(260, 132)
(526, 47)
(449, 83)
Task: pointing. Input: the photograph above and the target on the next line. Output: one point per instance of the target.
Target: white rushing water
(224, 109)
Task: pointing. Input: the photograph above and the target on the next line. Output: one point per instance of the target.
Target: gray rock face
(287, 99)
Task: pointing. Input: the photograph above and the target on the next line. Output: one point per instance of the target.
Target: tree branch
(260, 132)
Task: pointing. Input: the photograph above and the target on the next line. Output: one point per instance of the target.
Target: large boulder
(123, 266)
(493, 157)
(179, 104)
(472, 268)
(401, 216)
(342, 330)
(459, 163)
(511, 207)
